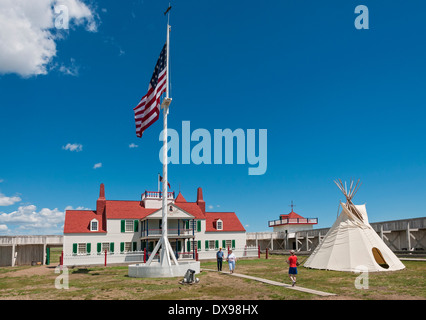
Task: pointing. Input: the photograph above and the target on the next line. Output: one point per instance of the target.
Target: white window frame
(91, 225)
(129, 226)
(81, 248)
(219, 222)
(211, 245)
(128, 246)
(105, 246)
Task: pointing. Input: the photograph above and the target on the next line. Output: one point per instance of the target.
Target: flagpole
(166, 250)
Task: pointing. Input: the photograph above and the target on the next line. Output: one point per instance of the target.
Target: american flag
(148, 109)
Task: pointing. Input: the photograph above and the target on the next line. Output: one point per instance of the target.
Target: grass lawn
(112, 283)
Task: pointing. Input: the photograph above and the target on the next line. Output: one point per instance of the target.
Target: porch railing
(156, 195)
(170, 232)
(293, 221)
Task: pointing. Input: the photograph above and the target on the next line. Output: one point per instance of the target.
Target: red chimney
(200, 201)
(101, 203)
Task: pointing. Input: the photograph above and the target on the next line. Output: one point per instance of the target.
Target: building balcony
(157, 195)
(171, 232)
(292, 221)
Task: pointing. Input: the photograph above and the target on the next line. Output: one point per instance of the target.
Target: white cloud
(27, 220)
(28, 36)
(3, 227)
(97, 165)
(132, 145)
(70, 70)
(73, 147)
(78, 208)
(8, 201)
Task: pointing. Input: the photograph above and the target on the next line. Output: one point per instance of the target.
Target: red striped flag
(148, 109)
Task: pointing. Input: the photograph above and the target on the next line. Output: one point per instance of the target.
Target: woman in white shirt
(231, 261)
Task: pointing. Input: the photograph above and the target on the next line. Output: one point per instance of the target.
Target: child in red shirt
(292, 270)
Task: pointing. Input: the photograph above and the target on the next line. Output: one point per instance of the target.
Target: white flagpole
(166, 250)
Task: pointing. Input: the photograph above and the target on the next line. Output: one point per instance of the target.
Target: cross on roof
(292, 205)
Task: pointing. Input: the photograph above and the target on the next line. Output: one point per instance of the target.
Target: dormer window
(94, 225)
(219, 224)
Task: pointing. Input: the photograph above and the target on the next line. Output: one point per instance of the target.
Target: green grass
(113, 283)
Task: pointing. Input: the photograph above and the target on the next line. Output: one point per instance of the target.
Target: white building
(117, 227)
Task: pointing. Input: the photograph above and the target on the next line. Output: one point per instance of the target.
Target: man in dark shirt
(219, 257)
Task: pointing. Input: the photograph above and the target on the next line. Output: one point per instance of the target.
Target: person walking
(232, 259)
(219, 257)
(292, 270)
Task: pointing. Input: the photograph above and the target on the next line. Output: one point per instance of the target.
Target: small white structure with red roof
(119, 228)
(292, 222)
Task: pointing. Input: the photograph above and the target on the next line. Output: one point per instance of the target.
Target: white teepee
(351, 244)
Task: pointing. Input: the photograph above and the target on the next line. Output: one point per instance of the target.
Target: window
(211, 245)
(81, 248)
(228, 244)
(94, 225)
(190, 245)
(219, 225)
(105, 246)
(129, 225)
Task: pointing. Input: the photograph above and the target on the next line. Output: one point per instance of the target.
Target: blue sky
(337, 102)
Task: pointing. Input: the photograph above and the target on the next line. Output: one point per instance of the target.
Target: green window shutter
(74, 248)
(187, 224)
(136, 225)
(207, 244)
(111, 247)
(134, 246)
(123, 225)
(233, 244)
(99, 247)
(199, 245)
(179, 246)
(121, 246)
(223, 244)
(216, 244)
(188, 246)
(88, 247)
(198, 225)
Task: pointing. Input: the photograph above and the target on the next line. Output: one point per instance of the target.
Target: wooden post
(258, 251)
(196, 254)
(267, 253)
(144, 255)
(105, 258)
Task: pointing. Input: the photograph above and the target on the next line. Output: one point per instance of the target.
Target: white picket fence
(138, 257)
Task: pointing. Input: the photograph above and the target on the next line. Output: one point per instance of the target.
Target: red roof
(118, 209)
(230, 222)
(78, 221)
(180, 198)
(291, 215)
